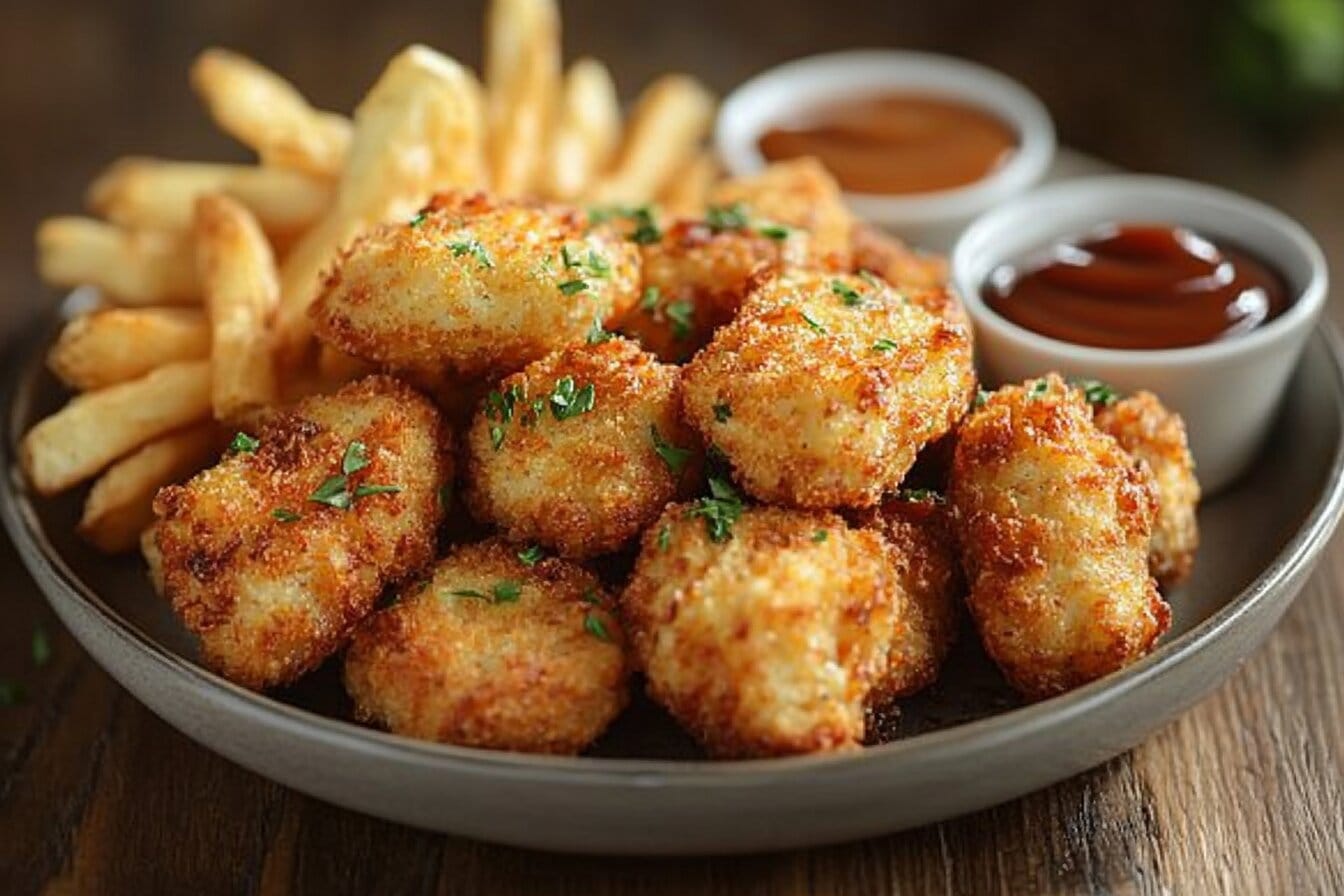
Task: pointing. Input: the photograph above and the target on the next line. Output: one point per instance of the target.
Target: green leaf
(1096, 392)
(648, 302)
(506, 591)
(243, 444)
(723, 412)
(682, 315)
(570, 287)
(531, 556)
(356, 458)
(367, 489)
(726, 217)
(595, 627)
(720, 510)
(820, 535)
(285, 515)
(673, 456)
(811, 322)
(333, 493)
(568, 401)
(885, 345)
(848, 294)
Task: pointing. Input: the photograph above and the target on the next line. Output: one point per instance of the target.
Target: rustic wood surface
(1244, 794)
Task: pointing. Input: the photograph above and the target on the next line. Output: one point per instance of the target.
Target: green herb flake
(567, 400)
(571, 287)
(1096, 392)
(820, 535)
(774, 231)
(496, 437)
(471, 592)
(595, 627)
(664, 538)
(506, 591)
(848, 294)
(1038, 388)
(419, 218)
(919, 495)
(723, 412)
(648, 302)
(673, 456)
(871, 279)
(355, 459)
(41, 647)
(981, 396)
(285, 515)
(811, 322)
(596, 334)
(885, 345)
(244, 444)
(720, 510)
(682, 316)
(333, 493)
(531, 555)
(726, 217)
(590, 596)
(12, 693)
(646, 228)
(473, 248)
(364, 491)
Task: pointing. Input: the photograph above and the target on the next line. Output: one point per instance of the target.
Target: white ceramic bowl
(931, 220)
(1227, 391)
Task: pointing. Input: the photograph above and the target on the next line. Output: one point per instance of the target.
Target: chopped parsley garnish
(664, 537)
(646, 229)
(499, 405)
(1038, 389)
(496, 437)
(335, 490)
(774, 231)
(722, 412)
(243, 444)
(505, 591)
(1096, 392)
(285, 515)
(567, 400)
(919, 494)
(473, 248)
(419, 218)
(847, 293)
(820, 535)
(981, 396)
(885, 345)
(570, 287)
(726, 217)
(11, 693)
(589, 596)
(720, 510)
(596, 334)
(333, 493)
(532, 555)
(682, 316)
(648, 302)
(674, 457)
(356, 458)
(593, 263)
(811, 322)
(595, 627)
(41, 646)
(364, 491)
(871, 279)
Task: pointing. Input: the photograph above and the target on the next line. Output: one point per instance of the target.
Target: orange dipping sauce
(897, 143)
(1139, 286)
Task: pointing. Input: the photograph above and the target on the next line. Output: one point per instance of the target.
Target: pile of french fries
(205, 271)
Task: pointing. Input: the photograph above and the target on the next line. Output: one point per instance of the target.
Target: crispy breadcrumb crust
(921, 549)
(475, 286)
(1053, 520)
(1156, 436)
(832, 384)
(542, 670)
(587, 484)
(271, 598)
(796, 193)
(766, 644)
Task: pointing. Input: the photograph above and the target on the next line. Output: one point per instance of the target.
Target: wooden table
(1244, 794)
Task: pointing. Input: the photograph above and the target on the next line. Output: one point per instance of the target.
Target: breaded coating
(1053, 521)
(272, 556)
(796, 193)
(1156, 436)
(767, 642)
(920, 276)
(581, 450)
(476, 286)
(825, 388)
(917, 527)
(695, 278)
(493, 650)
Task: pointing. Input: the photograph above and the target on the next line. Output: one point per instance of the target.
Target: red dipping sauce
(1139, 286)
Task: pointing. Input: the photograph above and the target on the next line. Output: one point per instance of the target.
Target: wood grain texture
(1243, 794)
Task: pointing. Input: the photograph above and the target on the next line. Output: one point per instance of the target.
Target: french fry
(670, 119)
(119, 506)
(96, 428)
(417, 131)
(113, 345)
(522, 77)
(158, 194)
(268, 114)
(131, 267)
(686, 195)
(585, 133)
(240, 288)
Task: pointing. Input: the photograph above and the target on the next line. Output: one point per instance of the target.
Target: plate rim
(49, 570)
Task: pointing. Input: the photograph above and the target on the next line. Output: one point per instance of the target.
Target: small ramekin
(1227, 391)
(931, 220)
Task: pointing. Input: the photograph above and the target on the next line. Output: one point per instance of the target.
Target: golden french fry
(131, 267)
(96, 428)
(158, 194)
(670, 119)
(240, 288)
(585, 132)
(522, 75)
(268, 114)
(686, 195)
(418, 130)
(113, 345)
(119, 506)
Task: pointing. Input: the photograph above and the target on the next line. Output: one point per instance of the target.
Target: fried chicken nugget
(796, 193)
(825, 388)
(496, 649)
(1156, 435)
(922, 551)
(920, 276)
(272, 556)
(768, 641)
(476, 286)
(581, 450)
(1053, 519)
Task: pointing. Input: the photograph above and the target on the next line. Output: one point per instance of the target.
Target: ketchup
(897, 143)
(1139, 286)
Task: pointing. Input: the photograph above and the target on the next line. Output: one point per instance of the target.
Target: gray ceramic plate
(963, 745)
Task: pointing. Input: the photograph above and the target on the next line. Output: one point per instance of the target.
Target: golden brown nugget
(768, 639)
(825, 388)
(797, 193)
(499, 647)
(921, 549)
(476, 286)
(920, 276)
(1156, 436)
(696, 276)
(1053, 520)
(581, 450)
(274, 555)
